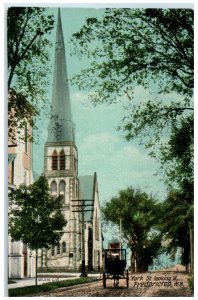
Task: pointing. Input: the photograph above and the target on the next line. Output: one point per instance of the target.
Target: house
(21, 259)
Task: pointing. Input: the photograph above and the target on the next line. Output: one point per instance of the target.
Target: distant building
(61, 171)
(114, 244)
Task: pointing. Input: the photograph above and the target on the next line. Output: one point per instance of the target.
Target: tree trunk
(192, 251)
(132, 263)
(36, 267)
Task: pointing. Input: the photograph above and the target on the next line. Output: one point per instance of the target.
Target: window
(53, 251)
(54, 187)
(26, 138)
(58, 248)
(76, 190)
(62, 188)
(63, 247)
(96, 226)
(62, 160)
(54, 160)
(12, 172)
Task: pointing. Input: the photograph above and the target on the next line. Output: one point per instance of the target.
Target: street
(152, 284)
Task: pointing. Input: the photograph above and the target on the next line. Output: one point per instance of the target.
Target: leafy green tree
(147, 47)
(152, 48)
(35, 216)
(140, 215)
(28, 66)
(137, 46)
(177, 161)
(177, 221)
(177, 156)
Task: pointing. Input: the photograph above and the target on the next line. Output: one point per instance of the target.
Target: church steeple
(61, 127)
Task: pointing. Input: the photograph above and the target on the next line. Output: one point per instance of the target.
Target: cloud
(118, 164)
(99, 141)
(132, 152)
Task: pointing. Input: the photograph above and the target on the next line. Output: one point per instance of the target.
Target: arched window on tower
(53, 251)
(62, 191)
(75, 164)
(58, 248)
(54, 160)
(63, 247)
(62, 187)
(76, 190)
(53, 188)
(62, 160)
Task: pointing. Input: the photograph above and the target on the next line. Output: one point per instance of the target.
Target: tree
(177, 161)
(28, 66)
(35, 216)
(177, 221)
(140, 215)
(147, 47)
(178, 154)
(152, 48)
(137, 46)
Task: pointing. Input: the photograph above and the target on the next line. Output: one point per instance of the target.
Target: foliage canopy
(178, 206)
(152, 48)
(35, 217)
(28, 65)
(135, 47)
(140, 215)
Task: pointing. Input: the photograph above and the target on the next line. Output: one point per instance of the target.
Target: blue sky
(101, 147)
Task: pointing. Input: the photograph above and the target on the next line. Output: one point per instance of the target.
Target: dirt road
(161, 284)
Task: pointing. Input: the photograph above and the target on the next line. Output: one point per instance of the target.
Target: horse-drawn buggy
(115, 266)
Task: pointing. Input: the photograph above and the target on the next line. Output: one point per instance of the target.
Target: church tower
(61, 165)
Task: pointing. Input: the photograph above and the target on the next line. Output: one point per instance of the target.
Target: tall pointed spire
(61, 125)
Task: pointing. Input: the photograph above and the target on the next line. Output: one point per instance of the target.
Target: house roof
(87, 191)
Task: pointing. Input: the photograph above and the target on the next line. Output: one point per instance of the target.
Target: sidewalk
(47, 277)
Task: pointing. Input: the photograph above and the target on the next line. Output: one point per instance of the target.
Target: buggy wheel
(127, 279)
(104, 280)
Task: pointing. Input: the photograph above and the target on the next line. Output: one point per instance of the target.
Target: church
(81, 241)
(82, 235)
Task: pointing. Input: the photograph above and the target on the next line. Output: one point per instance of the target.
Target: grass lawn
(27, 290)
(191, 283)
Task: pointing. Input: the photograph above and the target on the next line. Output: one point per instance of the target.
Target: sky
(101, 147)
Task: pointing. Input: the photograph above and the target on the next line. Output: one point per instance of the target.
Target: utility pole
(80, 207)
(120, 233)
(83, 274)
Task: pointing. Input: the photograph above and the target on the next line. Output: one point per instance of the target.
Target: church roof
(61, 127)
(87, 191)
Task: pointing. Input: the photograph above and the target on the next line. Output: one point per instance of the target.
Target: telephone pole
(82, 208)
(120, 233)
